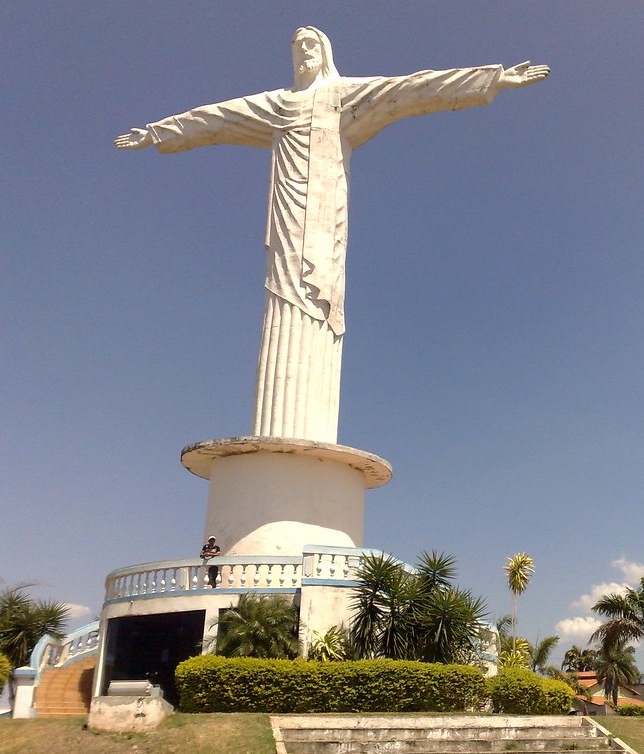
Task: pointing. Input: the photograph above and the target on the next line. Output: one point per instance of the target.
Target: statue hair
(328, 66)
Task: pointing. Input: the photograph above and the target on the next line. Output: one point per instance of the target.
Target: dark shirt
(209, 551)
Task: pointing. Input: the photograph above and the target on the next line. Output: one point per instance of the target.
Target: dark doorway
(151, 646)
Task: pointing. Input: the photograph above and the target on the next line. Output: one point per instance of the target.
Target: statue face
(307, 53)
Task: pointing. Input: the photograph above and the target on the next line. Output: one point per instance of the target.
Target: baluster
(194, 581)
(332, 568)
(256, 576)
(163, 580)
(242, 581)
(297, 574)
(231, 576)
(269, 574)
(345, 570)
(282, 574)
(153, 581)
(318, 568)
(173, 580)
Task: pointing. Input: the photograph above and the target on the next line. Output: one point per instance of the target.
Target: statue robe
(311, 135)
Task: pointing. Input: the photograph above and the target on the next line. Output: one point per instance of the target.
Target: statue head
(312, 55)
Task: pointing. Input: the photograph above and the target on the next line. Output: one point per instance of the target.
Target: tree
(572, 680)
(616, 667)
(540, 654)
(414, 615)
(577, 660)
(24, 621)
(382, 603)
(5, 670)
(518, 569)
(333, 646)
(264, 626)
(625, 613)
(514, 652)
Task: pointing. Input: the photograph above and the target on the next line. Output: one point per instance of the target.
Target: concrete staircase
(66, 691)
(412, 734)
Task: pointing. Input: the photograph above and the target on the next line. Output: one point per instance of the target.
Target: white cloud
(580, 628)
(633, 572)
(577, 629)
(586, 601)
(77, 611)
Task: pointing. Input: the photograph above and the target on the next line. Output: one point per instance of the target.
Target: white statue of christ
(311, 131)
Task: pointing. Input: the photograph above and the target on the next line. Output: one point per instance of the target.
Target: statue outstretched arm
(523, 74)
(138, 138)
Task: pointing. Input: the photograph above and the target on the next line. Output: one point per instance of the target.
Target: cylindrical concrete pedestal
(273, 496)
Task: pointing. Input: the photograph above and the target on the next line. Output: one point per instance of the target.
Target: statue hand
(138, 138)
(523, 74)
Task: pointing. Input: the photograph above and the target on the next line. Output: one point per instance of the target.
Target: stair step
(406, 747)
(418, 744)
(521, 737)
(440, 735)
(65, 692)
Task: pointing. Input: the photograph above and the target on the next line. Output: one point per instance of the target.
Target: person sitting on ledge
(211, 550)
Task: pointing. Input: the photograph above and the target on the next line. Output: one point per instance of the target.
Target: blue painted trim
(25, 672)
(312, 581)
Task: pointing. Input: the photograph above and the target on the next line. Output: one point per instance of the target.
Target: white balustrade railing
(166, 577)
(52, 652)
(332, 563)
(262, 572)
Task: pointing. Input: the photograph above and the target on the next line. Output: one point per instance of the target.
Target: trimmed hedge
(209, 683)
(629, 710)
(518, 691)
(5, 670)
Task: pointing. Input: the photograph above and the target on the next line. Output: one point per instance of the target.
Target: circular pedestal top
(198, 458)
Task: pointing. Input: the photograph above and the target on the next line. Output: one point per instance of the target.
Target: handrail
(53, 652)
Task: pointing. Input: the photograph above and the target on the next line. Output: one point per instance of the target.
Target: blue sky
(494, 350)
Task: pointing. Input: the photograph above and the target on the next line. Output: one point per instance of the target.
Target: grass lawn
(192, 734)
(629, 729)
(179, 734)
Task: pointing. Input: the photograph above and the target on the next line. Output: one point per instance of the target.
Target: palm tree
(24, 621)
(504, 627)
(518, 569)
(332, 646)
(540, 654)
(418, 615)
(381, 606)
(448, 625)
(625, 613)
(577, 660)
(519, 657)
(616, 667)
(263, 626)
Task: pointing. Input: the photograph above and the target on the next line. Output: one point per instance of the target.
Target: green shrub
(558, 696)
(518, 691)
(215, 684)
(5, 670)
(455, 688)
(629, 710)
